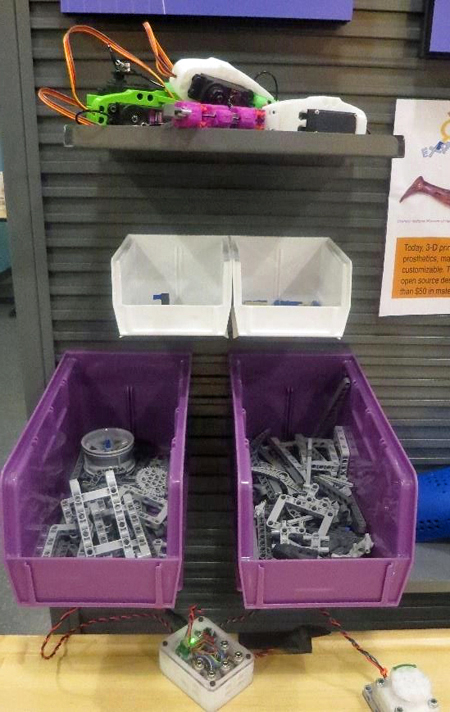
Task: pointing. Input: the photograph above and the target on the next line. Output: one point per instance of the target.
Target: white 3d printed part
(407, 689)
(210, 694)
(287, 115)
(185, 69)
(196, 272)
(305, 269)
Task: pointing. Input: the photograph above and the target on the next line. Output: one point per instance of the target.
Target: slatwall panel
(93, 199)
(6, 287)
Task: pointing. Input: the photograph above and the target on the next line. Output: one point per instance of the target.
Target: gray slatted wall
(6, 290)
(93, 199)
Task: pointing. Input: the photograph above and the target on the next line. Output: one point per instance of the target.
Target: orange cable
(85, 29)
(163, 63)
(75, 100)
(44, 95)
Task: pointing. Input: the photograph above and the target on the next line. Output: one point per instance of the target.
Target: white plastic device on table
(406, 689)
(210, 686)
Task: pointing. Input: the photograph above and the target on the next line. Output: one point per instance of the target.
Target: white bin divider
(306, 269)
(194, 270)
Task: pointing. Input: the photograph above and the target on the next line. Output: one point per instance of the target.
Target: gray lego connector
(82, 519)
(304, 503)
(291, 464)
(55, 533)
(101, 519)
(342, 448)
(331, 414)
(99, 523)
(119, 514)
(262, 534)
(138, 530)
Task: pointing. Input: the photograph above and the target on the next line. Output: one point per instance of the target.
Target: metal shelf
(222, 144)
(431, 571)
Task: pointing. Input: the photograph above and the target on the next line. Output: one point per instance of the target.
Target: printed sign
(291, 9)
(422, 268)
(438, 30)
(416, 278)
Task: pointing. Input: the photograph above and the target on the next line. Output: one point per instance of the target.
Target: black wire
(178, 620)
(275, 82)
(89, 111)
(147, 79)
(132, 72)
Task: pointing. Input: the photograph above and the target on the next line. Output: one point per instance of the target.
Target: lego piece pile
(112, 515)
(304, 506)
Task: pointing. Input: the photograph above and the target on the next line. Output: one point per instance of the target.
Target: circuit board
(207, 663)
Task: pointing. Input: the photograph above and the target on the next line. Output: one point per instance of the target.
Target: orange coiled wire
(45, 94)
(163, 64)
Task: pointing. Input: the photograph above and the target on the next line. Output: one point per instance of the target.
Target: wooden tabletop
(106, 673)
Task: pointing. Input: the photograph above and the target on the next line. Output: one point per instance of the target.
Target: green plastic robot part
(102, 107)
(117, 107)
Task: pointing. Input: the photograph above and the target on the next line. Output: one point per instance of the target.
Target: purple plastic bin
(146, 393)
(288, 393)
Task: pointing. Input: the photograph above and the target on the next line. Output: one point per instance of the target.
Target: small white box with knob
(406, 689)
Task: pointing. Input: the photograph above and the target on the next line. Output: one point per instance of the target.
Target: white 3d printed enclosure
(195, 273)
(211, 689)
(310, 270)
(406, 689)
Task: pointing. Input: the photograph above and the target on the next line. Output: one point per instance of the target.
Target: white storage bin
(305, 269)
(196, 272)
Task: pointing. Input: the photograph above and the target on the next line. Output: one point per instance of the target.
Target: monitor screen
(437, 40)
(340, 10)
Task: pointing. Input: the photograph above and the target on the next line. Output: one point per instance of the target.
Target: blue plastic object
(433, 514)
(164, 297)
(286, 303)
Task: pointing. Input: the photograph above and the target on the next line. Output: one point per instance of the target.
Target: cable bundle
(47, 96)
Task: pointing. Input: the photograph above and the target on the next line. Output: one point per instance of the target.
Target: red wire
(263, 653)
(371, 659)
(335, 623)
(92, 621)
(239, 619)
(193, 612)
